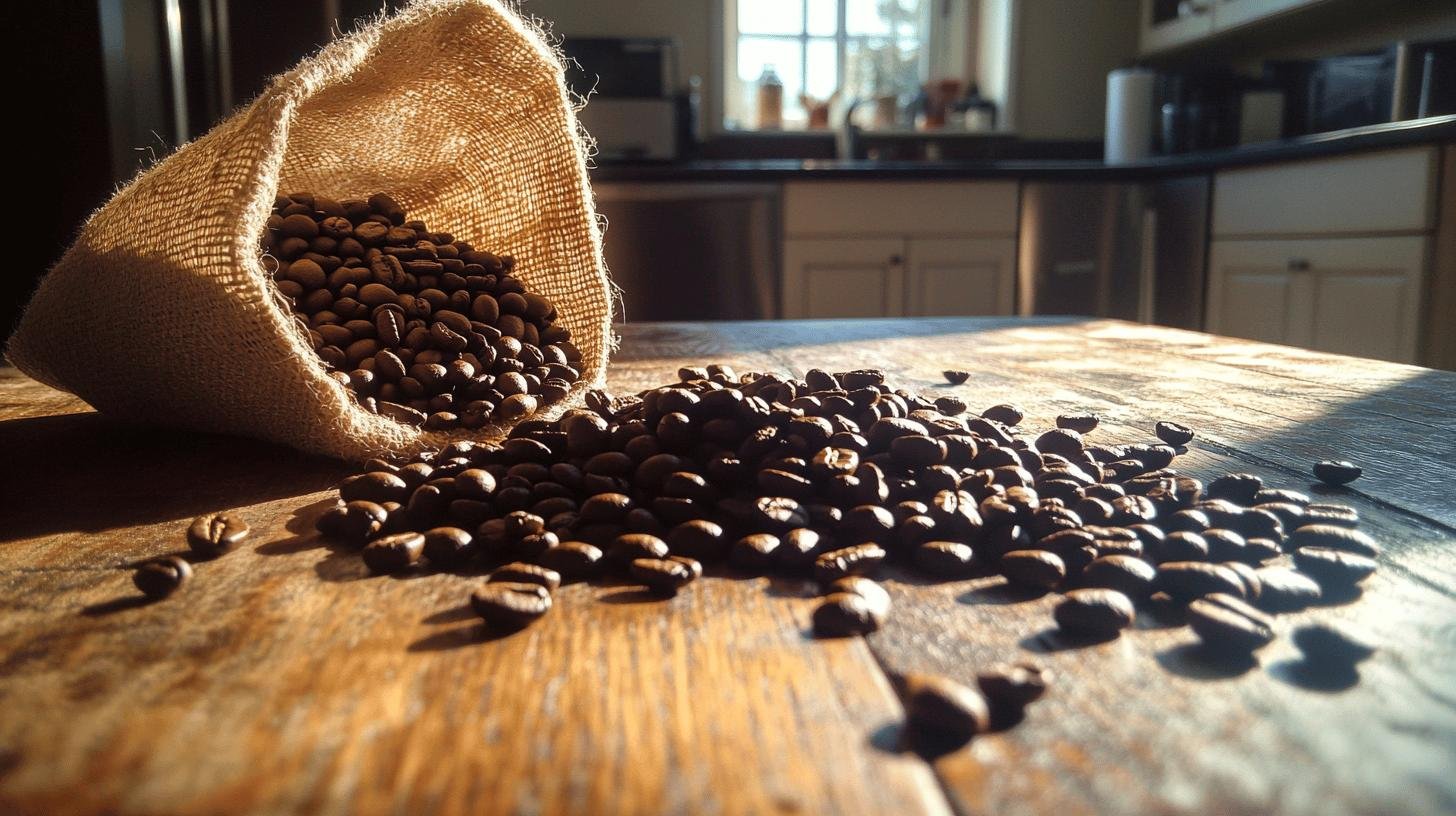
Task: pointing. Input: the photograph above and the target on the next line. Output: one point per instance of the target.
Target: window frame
(727, 19)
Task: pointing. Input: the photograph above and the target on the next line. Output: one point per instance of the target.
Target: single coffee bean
(1186, 580)
(663, 576)
(1229, 625)
(1036, 569)
(1094, 612)
(943, 559)
(1284, 590)
(1336, 473)
(1172, 433)
(572, 560)
(1016, 685)
(843, 614)
(375, 486)
(856, 560)
(1334, 568)
(1325, 644)
(1335, 538)
(394, 553)
(1005, 413)
(523, 573)
(940, 710)
(1131, 576)
(754, 552)
(1081, 423)
(507, 606)
(629, 547)
(1337, 514)
(161, 577)
(866, 588)
(448, 547)
(956, 377)
(215, 534)
(1253, 586)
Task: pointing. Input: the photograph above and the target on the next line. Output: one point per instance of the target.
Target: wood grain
(283, 679)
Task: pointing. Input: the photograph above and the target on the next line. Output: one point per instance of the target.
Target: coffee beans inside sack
(422, 328)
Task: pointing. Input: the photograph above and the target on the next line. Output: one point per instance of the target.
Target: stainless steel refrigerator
(1131, 250)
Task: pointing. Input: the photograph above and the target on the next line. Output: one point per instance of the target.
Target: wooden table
(285, 679)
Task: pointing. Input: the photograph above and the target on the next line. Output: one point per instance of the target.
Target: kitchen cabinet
(892, 249)
(960, 276)
(846, 277)
(1167, 24)
(1329, 254)
(1359, 296)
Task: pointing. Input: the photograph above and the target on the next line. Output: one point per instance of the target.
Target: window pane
(823, 76)
(824, 17)
(883, 17)
(754, 53)
(770, 16)
(875, 66)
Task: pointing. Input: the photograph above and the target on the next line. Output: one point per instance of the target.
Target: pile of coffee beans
(420, 327)
(838, 473)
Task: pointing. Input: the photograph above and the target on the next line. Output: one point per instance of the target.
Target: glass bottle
(770, 99)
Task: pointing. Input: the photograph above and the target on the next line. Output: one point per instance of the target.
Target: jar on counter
(770, 99)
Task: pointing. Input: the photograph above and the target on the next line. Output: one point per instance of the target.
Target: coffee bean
(216, 534)
(375, 486)
(1094, 612)
(448, 547)
(1186, 580)
(394, 553)
(941, 710)
(1229, 625)
(1131, 576)
(1337, 514)
(161, 577)
(956, 377)
(629, 547)
(1239, 488)
(508, 606)
(754, 552)
(1181, 546)
(1172, 433)
(944, 559)
(573, 560)
(843, 614)
(1333, 568)
(1285, 590)
(1335, 538)
(1081, 423)
(1037, 569)
(1005, 413)
(856, 560)
(1336, 473)
(663, 576)
(522, 573)
(353, 523)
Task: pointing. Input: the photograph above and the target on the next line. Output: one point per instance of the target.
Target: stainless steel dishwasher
(1134, 250)
(692, 251)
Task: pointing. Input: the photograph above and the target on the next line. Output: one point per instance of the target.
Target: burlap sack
(162, 310)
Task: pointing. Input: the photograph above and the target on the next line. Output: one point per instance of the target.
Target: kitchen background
(1283, 170)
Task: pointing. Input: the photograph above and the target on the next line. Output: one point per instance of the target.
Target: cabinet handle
(896, 260)
(1192, 8)
(1298, 264)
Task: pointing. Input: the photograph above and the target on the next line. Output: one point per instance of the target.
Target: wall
(1060, 59)
(691, 22)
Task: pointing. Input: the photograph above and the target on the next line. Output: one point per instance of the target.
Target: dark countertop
(1372, 137)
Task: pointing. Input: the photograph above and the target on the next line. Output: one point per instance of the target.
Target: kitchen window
(860, 48)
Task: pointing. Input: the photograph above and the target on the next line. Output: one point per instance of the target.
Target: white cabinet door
(960, 276)
(843, 277)
(1357, 296)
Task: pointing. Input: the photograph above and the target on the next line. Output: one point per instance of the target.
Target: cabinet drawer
(900, 208)
(1391, 191)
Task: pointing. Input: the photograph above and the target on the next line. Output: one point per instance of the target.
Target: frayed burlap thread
(163, 310)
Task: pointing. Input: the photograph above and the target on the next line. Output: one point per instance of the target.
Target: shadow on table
(89, 473)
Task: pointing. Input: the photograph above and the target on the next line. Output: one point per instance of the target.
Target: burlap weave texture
(163, 310)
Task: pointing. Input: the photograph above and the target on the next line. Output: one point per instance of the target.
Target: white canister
(1129, 135)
